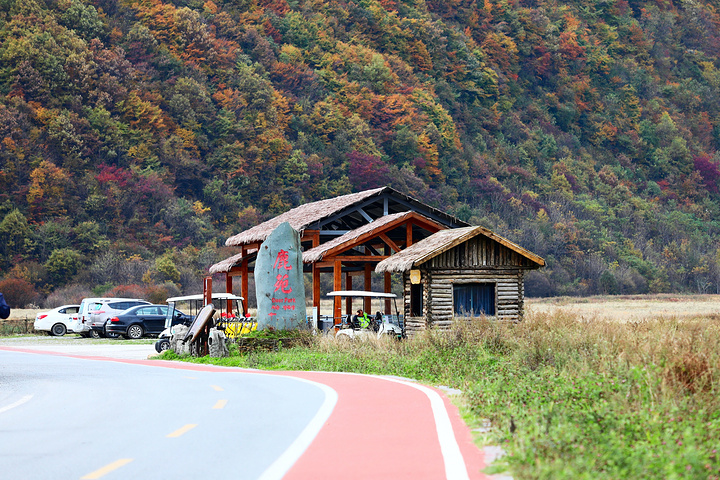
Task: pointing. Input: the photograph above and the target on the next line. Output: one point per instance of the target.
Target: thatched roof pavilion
(355, 223)
(338, 215)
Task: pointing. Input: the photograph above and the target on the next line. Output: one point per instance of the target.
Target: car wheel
(162, 345)
(135, 332)
(58, 330)
(96, 334)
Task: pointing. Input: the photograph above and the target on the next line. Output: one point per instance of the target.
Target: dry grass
(630, 308)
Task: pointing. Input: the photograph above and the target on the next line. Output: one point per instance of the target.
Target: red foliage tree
(17, 292)
(367, 171)
(709, 171)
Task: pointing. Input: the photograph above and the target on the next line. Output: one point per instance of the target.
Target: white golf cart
(380, 324)
(230, 315)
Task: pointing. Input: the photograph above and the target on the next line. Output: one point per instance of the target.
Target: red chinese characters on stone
(282, 261)
(283, 283)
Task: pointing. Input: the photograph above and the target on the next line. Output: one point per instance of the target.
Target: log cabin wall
(478, 260)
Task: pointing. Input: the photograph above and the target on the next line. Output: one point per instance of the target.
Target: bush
(18, 293)
(128, 291)
(158, 294)
(68, 295)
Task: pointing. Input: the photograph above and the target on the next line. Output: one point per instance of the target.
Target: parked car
(56, 321)
(103, 310)
(142, 320)
(81, 324)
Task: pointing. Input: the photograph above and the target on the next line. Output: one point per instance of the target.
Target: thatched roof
(316, 254)
(301, 217)
(443, 241)
(227, 264)
(320, 214)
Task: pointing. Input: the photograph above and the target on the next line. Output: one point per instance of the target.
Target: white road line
(281, 466)
(455, 468)
(24, 399)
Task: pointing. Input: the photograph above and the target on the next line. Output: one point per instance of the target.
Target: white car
(56, 321)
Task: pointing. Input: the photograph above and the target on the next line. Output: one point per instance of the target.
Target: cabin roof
(443, 241)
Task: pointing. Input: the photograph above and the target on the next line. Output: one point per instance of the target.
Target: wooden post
(207, 290)
(244, 272)
(367, 306)
(408, 234)
(316, 277)
(337, 285)
(388, 285)
(348, 300)
(228, 289)
(316, 287)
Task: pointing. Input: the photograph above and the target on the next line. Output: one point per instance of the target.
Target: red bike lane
(382, 428)
(379, 428)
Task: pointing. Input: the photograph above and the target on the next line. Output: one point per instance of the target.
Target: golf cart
(230, 316)
(380, 324)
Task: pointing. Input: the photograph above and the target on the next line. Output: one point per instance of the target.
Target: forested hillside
(136, 135)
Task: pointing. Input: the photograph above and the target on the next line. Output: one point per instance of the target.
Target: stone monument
(279, 283)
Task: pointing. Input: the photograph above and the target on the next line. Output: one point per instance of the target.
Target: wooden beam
(352, 258)
(408, 235)
(413, 217)
(389, 242)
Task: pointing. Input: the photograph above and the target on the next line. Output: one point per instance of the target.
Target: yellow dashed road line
(181, 431)
(216, 388)
(101, 472)
(220, 404)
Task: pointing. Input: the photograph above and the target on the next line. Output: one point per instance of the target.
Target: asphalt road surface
(81, 415)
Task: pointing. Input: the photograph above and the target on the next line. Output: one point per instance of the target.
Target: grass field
(596, 388)
(630, 308)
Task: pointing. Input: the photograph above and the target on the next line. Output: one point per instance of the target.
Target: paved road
(85, 416)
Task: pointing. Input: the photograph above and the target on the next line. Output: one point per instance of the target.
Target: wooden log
(442, 296)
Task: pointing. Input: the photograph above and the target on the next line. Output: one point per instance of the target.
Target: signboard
(201, 320)
(415, 277)
(279, 283)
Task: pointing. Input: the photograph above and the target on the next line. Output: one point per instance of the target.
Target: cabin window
(416, 300)
(474, 299)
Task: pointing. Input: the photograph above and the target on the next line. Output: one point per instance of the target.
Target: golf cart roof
(200, 296)
(361, 293)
